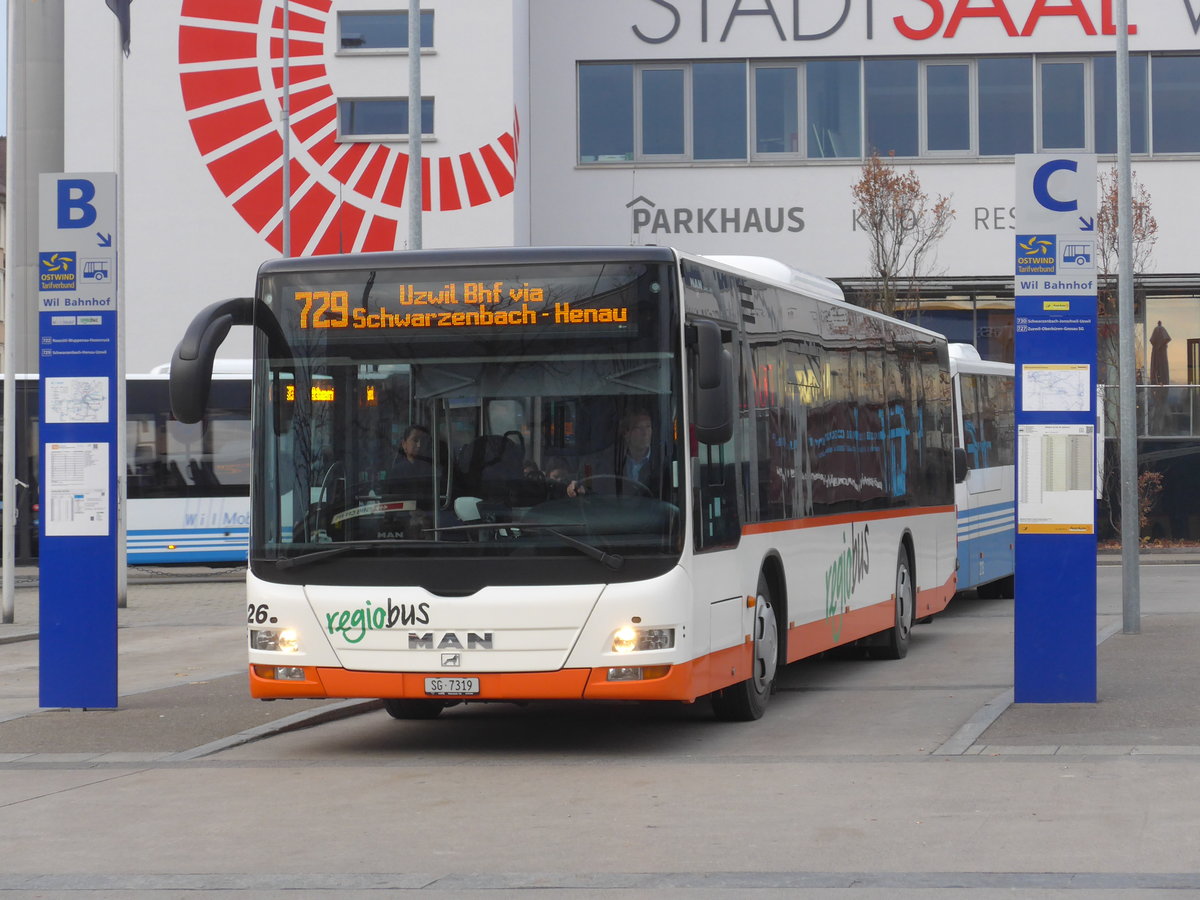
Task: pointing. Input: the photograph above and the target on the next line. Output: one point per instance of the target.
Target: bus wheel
(896, 644)
(413, 709)
(747, 700)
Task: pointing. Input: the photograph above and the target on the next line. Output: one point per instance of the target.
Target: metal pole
(415, 189)
(9, 524)
(287, 134)
(122, 435)
(1130, 530)
(7, 597)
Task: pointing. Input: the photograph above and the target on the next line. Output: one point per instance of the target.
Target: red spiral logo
(346, 196)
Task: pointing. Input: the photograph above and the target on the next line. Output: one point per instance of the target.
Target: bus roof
(775, 270)
(966, 358)
(479, 256)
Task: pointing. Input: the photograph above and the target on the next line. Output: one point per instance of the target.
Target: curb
(295, 722)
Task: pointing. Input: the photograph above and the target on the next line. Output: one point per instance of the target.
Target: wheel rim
(766, 645)
(904, 601)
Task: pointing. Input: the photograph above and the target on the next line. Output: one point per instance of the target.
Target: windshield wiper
(612, 560)
(305, 559)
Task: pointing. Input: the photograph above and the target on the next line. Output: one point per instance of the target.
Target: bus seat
(467, 509)
(488, 466)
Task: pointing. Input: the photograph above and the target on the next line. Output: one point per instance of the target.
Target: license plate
(456, 687)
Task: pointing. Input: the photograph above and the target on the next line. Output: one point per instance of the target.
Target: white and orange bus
(578, 473)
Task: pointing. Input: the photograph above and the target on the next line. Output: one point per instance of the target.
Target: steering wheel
(637, 487)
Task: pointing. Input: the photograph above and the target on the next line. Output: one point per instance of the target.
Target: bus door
(983, 475)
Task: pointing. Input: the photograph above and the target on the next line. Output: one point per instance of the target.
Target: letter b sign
(75, 207)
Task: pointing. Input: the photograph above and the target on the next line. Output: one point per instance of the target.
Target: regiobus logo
(346, 196)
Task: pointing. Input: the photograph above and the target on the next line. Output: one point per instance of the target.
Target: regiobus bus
(799, 495)
(985, 431)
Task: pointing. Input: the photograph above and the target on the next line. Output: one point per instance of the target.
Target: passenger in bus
(413, 458)
(411, 474)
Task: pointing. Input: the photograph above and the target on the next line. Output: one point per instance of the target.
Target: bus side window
(717, 520)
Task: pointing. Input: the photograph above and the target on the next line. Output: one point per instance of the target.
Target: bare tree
(1145, 236)
(1145, 227)
(903, 225)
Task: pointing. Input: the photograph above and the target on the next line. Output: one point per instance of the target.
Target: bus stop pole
(8, 520)
(287, 131)
(1131, 604)
(415, 188)
(8, 603)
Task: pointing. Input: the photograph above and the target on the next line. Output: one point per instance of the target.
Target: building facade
(724, 126)
(719, 126)
(194, 120)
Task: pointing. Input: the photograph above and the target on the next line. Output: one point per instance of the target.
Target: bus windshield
(456, 427)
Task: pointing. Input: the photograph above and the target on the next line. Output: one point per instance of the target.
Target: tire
(413, 709)
(747, 700)
(896, 644)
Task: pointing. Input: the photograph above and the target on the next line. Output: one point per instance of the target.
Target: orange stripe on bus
(685, 681)
(812, 638)
(842, 519)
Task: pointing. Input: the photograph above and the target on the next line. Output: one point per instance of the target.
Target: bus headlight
(631, 638)
(280, 640)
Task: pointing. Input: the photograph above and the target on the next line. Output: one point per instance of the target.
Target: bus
(188, 484)
(985, 432)
(803, 501)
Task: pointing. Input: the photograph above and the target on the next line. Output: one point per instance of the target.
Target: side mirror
(713, 414)
(192, 362)
(961, 466)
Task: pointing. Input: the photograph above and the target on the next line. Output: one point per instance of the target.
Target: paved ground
(183, 688)
(181, 676)
(855, 785)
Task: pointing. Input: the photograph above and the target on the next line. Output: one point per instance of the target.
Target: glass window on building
(776, 110)
(381, 30)
(1175, 98)
(1172, 325)
(719, 110)
(1064, 106)
(890, 91)
(1104, 94)
(606, 113)
(381, 117)
(833, 102)
(947, 107)
(1005, 106)
(663, 113)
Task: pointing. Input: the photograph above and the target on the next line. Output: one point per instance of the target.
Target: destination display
(455, 306)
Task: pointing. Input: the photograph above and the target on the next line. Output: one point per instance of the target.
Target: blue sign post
(79, 384)
(1055, 355)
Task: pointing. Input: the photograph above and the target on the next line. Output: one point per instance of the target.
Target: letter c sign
(1041, 185)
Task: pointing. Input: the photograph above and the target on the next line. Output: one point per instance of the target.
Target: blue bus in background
(985, 431)
(187, 485)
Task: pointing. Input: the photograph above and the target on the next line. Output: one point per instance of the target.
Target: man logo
(451, 659)
(449, 641)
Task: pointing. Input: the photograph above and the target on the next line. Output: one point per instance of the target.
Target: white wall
(185, 243)
(589, 204)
